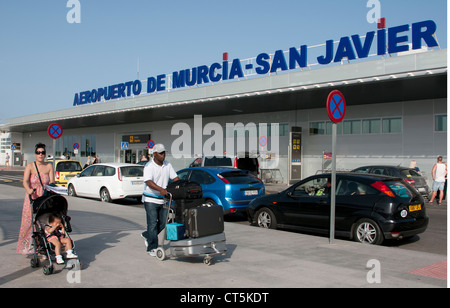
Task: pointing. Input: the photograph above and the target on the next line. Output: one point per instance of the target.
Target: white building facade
(396, 112)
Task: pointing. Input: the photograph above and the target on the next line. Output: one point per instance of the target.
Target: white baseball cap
(159, 147)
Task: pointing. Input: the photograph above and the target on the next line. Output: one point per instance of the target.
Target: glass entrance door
(132, 156)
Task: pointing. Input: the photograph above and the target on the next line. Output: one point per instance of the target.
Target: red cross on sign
(54, 130)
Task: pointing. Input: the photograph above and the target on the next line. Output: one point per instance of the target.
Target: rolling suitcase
(182, 207)
(205, 220)
(207, 245)
(183, 189)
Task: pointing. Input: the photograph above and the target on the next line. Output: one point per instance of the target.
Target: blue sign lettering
(394, 40)
(111, 92)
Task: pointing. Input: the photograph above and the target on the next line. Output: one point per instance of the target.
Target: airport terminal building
(271, 106)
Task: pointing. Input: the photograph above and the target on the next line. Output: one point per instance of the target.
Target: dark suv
(408, 174)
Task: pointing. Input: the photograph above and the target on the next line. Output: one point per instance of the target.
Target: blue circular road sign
(54, 130)
(336, 106)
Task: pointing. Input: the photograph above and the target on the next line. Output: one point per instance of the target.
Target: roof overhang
(400, 78)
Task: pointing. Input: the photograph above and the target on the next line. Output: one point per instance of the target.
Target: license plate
(137, 182)
(413, 208)
(250, 192)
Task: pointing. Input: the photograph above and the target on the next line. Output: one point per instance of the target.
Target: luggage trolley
(206, 246)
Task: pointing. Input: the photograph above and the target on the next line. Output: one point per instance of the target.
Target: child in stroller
(50, 222)
(56, 234)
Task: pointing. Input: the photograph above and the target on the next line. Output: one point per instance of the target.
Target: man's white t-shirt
(440, 172)
(160, 175)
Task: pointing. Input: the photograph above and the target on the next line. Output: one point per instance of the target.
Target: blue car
(231, 188)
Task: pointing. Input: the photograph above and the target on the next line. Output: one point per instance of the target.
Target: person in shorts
(438, 173)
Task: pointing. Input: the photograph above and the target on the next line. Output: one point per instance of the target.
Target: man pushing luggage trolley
(157, 174)
(198, 230)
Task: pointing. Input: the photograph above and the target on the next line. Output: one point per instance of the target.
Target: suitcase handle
(168, 208)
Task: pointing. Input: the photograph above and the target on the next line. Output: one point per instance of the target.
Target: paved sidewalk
(112, 254)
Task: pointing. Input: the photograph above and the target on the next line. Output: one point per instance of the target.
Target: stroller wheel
(34, 262)
(48, 270)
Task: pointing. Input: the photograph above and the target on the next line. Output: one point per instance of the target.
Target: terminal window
(352, 127)
(5, 144)
(440, 123)
(371, 126)
(392, 125)
(368, 126)
(65, 146)
(329, 128)
(317, 128)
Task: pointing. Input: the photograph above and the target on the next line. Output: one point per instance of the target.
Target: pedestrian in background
(438, 173)
(413, 165)
(88, 162)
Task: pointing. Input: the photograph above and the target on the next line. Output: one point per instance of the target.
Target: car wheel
(265, 218)
(368, 231)
(104, 195)
(71, 191)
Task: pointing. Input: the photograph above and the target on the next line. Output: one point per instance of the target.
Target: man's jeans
(156, 221)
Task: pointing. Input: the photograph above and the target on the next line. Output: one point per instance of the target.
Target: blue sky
(44, 60)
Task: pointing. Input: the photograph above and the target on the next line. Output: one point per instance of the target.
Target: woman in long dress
(33, 187)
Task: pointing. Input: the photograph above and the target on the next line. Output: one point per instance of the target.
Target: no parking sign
(54, 131)
(336, 106)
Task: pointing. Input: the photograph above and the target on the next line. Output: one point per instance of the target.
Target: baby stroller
(41, 208)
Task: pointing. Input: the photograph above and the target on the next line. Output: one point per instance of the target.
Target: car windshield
(399, 189)
(239, 177)
(132, 171)
(362, 170)
(218, 161)
(69, 166)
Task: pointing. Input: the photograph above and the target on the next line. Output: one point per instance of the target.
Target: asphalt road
(112, 254)
(433, 240)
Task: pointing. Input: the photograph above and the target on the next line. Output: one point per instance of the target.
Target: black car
(410, 175)
(369, 208)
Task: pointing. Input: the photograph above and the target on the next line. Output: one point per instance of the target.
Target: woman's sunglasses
(40, 152)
